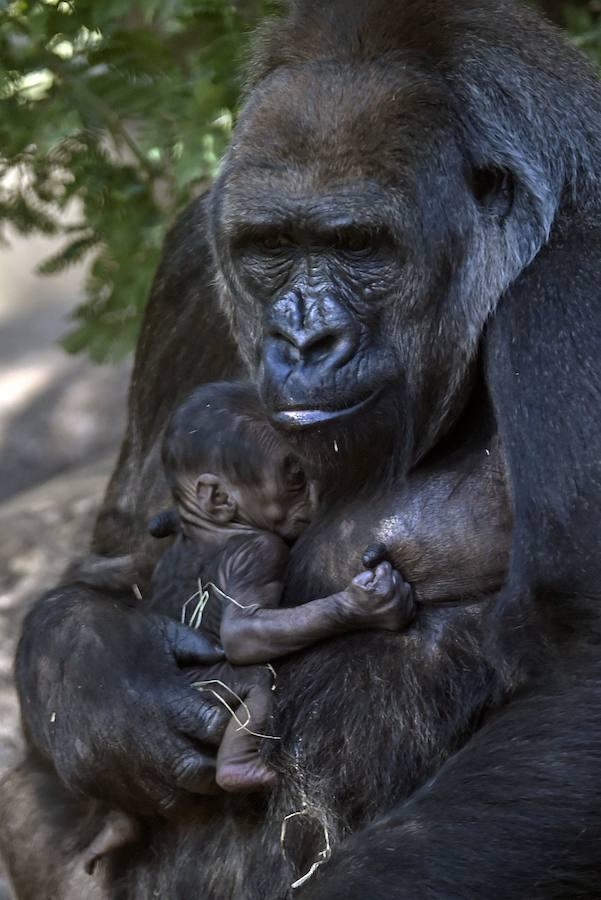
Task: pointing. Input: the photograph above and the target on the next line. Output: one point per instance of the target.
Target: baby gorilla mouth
(297, 418)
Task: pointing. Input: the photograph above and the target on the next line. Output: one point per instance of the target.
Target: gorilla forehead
(342, 123)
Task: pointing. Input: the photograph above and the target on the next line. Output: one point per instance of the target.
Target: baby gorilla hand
(379, 599)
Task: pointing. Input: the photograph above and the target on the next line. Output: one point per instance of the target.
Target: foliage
(124, 108)
(114, 113)
(584, 24)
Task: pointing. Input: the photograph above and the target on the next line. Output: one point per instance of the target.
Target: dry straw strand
(204, 595)
(242, 726)
(322, 856)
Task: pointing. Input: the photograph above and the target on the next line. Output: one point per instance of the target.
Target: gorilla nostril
(320, 348)
(327, 346)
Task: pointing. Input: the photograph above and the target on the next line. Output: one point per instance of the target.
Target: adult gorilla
(406, 236)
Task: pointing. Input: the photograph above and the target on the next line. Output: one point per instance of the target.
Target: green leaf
(118, 110)
(68, 256)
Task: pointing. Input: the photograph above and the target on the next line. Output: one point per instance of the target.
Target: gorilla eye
(354, 241)
(273, 242)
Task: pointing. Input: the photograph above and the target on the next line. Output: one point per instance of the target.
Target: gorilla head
(365, 223)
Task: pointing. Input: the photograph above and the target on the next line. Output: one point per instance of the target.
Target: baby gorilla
(241, 496)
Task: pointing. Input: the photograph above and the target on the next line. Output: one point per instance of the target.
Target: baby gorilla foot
(245, 777)
(379, 598)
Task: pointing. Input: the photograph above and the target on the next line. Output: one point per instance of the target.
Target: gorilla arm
(255, 629)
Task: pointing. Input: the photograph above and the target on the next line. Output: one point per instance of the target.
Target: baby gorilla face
(283, 501)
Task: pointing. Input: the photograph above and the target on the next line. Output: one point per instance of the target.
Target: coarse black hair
(221, 428)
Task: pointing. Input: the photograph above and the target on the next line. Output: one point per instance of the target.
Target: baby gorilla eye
(294, 475)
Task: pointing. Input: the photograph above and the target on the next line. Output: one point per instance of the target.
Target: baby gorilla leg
(240, 768)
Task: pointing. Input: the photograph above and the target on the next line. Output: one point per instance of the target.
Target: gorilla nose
(329, 345)
(310, 331)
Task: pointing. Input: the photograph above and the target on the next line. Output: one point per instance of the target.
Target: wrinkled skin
(457, 143)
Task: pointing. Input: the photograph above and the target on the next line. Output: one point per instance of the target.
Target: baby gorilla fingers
(379, 598)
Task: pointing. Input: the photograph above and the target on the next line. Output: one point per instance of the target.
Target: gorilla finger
(194, 772)
(403, 587)
(190, 647)
(203, 717)
(400, 587)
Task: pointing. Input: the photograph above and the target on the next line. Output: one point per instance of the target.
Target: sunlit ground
(60, 422)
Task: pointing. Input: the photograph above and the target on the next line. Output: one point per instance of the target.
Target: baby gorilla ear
(215, 499)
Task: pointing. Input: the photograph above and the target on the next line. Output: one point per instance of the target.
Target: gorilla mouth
(297, 418)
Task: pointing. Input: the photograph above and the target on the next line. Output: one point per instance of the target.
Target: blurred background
(113, 115)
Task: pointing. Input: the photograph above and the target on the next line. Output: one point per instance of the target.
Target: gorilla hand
(106, 697)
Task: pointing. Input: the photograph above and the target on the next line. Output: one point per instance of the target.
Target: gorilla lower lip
(305, 418)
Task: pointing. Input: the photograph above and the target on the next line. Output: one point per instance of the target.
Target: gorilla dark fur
(405, 234)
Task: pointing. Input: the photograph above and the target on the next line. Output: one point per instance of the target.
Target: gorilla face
(347, 234)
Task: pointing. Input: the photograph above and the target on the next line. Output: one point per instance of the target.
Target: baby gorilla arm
(373, 599)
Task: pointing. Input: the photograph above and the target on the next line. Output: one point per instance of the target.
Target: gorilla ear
(493, 188)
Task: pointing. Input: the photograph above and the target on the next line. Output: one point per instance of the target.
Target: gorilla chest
(327, 556)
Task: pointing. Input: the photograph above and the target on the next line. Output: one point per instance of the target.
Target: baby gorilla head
(228, 467)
